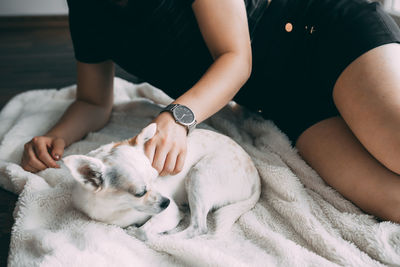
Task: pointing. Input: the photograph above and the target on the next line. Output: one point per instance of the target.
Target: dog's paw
(190, 232)
(140, 234)
(137, 232)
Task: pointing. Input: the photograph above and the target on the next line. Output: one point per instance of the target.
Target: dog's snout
(164, 203)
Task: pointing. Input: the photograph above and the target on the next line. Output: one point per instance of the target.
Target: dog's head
(113, 182)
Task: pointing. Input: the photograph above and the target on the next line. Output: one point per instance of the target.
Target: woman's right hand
(42, 152)
(94, 99)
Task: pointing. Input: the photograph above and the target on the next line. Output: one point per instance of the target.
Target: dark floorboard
(32, 57)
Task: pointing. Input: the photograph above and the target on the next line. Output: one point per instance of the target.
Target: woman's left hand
(167, 148)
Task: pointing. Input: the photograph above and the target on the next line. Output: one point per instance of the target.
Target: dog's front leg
(160, 223)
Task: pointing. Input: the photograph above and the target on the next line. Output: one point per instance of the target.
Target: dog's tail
(226, 216)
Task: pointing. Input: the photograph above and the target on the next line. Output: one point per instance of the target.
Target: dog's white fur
(217, 174)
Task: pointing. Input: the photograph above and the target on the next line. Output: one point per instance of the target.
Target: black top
(158, 41)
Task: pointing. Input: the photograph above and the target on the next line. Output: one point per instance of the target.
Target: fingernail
(56, 156)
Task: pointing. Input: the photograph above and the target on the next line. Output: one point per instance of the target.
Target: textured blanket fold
(298, 221)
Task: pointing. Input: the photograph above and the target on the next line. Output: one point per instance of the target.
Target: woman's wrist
(182, 115)
(56, 135)
(168, 118)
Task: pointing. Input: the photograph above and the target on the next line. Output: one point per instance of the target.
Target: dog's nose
(164, 204)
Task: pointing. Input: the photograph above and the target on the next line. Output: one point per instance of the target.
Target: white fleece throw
(298, 221)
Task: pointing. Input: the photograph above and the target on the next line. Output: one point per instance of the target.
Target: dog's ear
(147, 133)
(88, 171)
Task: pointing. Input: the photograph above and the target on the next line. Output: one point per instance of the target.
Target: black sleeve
(87, 36)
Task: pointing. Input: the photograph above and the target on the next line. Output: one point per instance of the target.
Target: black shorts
(300, 47)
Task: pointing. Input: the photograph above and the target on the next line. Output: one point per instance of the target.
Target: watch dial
(184, 115)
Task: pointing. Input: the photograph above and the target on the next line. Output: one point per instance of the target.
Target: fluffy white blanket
(298, 221)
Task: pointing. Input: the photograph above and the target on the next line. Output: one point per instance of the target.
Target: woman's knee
(333, 151)
(390, 208)
(321, 130)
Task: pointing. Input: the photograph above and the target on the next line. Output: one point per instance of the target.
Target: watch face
(183, 115)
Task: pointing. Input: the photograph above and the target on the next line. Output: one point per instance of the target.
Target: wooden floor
(35, 53)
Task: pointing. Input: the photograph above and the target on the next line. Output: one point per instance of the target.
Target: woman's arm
(89, 112)
(223, 24)
(92, 107)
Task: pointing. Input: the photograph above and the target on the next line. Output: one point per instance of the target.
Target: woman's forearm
(226, 35)
(218, 85)
(79, 119)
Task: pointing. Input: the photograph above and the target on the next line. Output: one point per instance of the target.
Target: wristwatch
(182, 115)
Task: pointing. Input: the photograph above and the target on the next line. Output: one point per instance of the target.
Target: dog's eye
(141, 193)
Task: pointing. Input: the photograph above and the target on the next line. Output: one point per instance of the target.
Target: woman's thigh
(358, 153)
(354, 60)
(341, 160)
(298, 69)
(367, 95)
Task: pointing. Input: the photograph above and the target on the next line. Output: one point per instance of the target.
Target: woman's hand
(167, 149)
(42, 152)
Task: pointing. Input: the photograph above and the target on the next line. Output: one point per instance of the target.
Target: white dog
(116, 184)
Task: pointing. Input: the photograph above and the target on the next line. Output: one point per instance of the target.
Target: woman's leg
(359, 154)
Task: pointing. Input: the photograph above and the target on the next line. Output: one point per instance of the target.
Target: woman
(328, 72)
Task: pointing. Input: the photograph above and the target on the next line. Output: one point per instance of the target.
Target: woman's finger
(34, 162)
(40, 148)
(24, 163)
(57, 150)
(159, 157)
(29, 168)
(170, 162)
(31, 162)
(149, 150)
(180, 162)
(32, 169)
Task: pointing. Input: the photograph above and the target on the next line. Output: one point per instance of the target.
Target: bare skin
(358, 153)
(93, 100)
(227, 37)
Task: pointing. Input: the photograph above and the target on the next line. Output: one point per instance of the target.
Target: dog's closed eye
(141, 193)
(137, 193)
